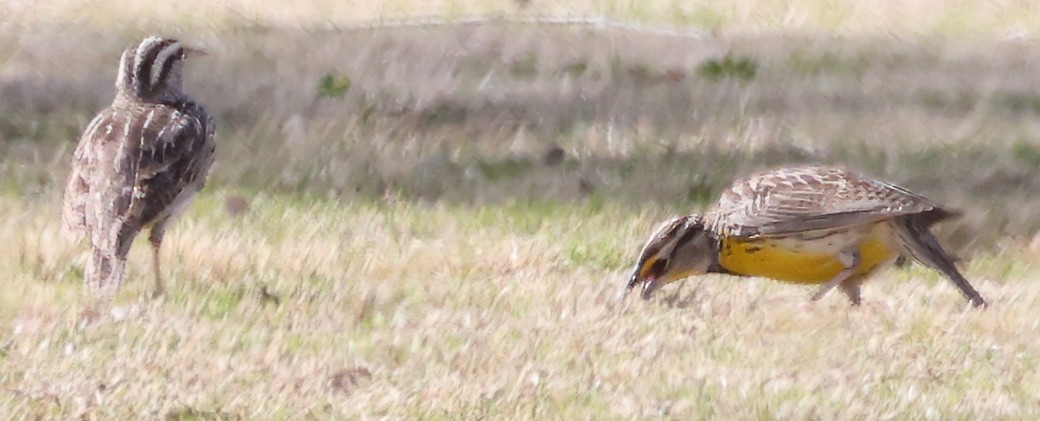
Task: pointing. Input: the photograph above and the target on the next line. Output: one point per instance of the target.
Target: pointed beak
(647, 284)
(194, 51)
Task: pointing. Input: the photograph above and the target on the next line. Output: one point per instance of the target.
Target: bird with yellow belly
(805, 225)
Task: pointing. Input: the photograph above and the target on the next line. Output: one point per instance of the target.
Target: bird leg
(851, 261)
(851, 289)
(156, 237)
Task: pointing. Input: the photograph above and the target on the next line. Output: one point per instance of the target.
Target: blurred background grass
(939, 96)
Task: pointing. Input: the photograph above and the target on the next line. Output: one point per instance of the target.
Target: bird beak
(648, 282)
(649, 286)
(194, 51)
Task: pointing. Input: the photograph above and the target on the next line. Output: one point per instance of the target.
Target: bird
(139, 163)
(807, 224)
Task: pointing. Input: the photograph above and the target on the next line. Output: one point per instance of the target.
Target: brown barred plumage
(139, 163)
(811, 224)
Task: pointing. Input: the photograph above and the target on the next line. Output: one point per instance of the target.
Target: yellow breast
(809, 258)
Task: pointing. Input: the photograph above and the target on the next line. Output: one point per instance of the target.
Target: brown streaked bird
(140, 162)
(807, 225)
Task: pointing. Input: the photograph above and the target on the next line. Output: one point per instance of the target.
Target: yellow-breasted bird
(807, 225)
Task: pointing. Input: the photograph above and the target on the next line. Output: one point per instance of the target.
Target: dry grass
(444, 237)
(469, 115)
(961, 18)
(311, 309)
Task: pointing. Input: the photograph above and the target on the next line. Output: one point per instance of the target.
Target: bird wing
(175, 154)
(84, 168)
(802, 199)
(100, 183)
(130, 165)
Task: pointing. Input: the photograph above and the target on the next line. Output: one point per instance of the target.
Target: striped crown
(152, 70)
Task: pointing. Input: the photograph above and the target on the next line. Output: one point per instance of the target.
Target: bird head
(679, 248)
(152, 69)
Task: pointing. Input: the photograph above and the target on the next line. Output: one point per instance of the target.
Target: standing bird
(807, 225)
(140, 162)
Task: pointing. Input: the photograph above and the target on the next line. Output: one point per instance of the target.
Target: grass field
(434, 222)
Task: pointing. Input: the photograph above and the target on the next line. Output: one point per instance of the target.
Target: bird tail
(919, 242)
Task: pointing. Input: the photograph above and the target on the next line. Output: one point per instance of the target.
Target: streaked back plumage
(809, 198)
(805, 224)
(140, 158)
